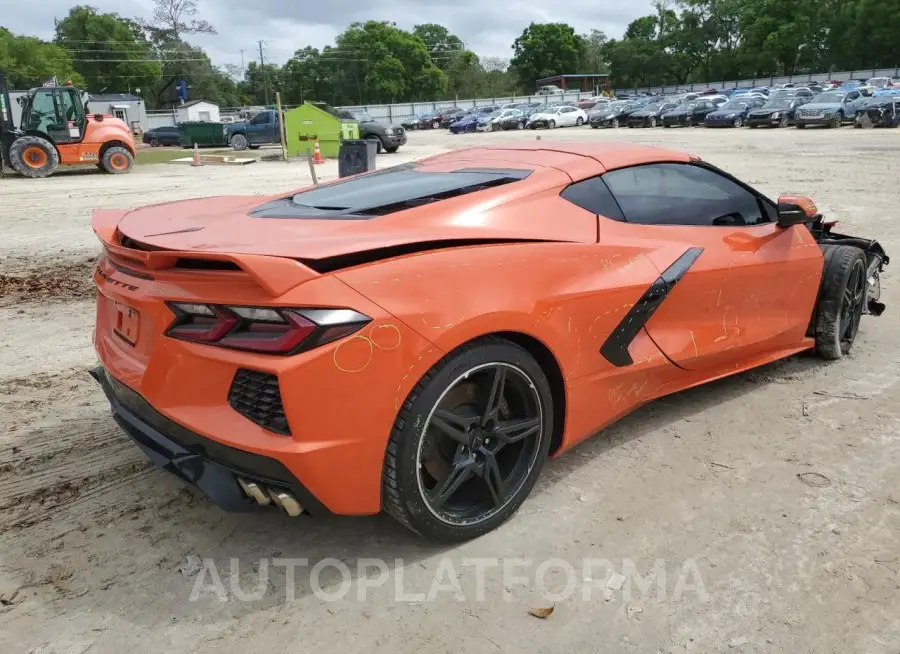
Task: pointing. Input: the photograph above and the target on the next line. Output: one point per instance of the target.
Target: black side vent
(344, 261)
(257, 397)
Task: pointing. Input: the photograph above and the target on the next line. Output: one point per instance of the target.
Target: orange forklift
(56, 130)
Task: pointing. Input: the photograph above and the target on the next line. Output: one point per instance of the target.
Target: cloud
(488, 28)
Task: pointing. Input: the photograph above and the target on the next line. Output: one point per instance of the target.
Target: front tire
(785, 121)
(738, 122)
(838, 121)
(116, 161)
(239, 142)
(842, 298)
(652, 122)
(552, 124)
(469, 442)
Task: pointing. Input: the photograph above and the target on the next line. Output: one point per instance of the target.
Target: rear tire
(842, 297)
(116, 161)
(421, 457)
(579, 122)
(34, 157)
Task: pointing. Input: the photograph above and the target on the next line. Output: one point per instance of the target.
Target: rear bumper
(210, 466)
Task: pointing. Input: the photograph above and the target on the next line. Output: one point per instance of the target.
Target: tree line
(377, 62)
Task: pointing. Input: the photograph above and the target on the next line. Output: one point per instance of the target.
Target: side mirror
(795, 210)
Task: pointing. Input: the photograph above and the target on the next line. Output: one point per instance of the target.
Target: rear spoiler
(276, 275)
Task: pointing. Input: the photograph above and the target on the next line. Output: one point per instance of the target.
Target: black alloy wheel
(469, 443)
(842, 299)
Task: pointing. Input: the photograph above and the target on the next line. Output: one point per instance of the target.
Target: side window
(683, 194)
(853, 95)
(260, 119)
(593, 195)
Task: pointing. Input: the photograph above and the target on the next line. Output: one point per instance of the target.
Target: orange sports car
(418, 340)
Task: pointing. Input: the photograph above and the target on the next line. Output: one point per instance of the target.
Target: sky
(487, 28)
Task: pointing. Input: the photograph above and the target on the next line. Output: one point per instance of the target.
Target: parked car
(431, 120)
(560, 116)
(777, 112)
(550, 89)
(649, 116)
(451, 115)
(593, 103)
(262, 128)
(387, 137)
(489, 122)
(879, 111)
(615, 114)
(468, 122)
(691, 113)
(832, 108)
(505, 119)
(413, 122)
(246, 384)
(161, 136)
(733, 113)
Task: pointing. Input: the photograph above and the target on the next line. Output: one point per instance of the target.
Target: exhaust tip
(252, 489)
(287, 502)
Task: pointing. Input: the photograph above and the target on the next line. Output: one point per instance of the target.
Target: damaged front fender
(876, 260)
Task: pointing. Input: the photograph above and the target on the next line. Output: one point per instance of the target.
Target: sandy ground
(770, 500)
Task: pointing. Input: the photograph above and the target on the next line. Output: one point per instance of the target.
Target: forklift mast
(7, 126)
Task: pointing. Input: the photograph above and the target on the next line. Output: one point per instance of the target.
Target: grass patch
(158, 155)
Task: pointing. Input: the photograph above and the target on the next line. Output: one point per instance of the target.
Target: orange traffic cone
(196, 161)
(317, 154)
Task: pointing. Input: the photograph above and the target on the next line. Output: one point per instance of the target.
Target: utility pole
(243, 68)
(262, 67)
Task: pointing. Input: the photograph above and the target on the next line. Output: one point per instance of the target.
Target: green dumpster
(306, 123)
(201, 133)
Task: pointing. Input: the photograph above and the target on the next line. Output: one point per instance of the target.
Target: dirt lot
(714, 484)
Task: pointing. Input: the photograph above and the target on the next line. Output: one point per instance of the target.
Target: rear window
(386, 191)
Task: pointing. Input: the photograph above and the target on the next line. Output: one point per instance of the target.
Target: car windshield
(653, 106)
(362, 117)
(831, 97)
(779, 103)
(735, 105)
(616, 106)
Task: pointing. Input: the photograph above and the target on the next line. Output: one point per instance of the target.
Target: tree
(443, 46)
(29, 61)
(593, 60)
(545, 50)
(177, 18)
(109, 51)
(378, 62)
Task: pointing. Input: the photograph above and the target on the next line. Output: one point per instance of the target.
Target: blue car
(468, 122)
(734, 112)
(832, 108)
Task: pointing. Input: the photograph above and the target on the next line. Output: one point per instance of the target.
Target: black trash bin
(355, 157)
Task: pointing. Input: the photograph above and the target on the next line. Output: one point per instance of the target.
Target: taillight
(262, 329)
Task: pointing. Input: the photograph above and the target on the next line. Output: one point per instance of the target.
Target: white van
(549, 89)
